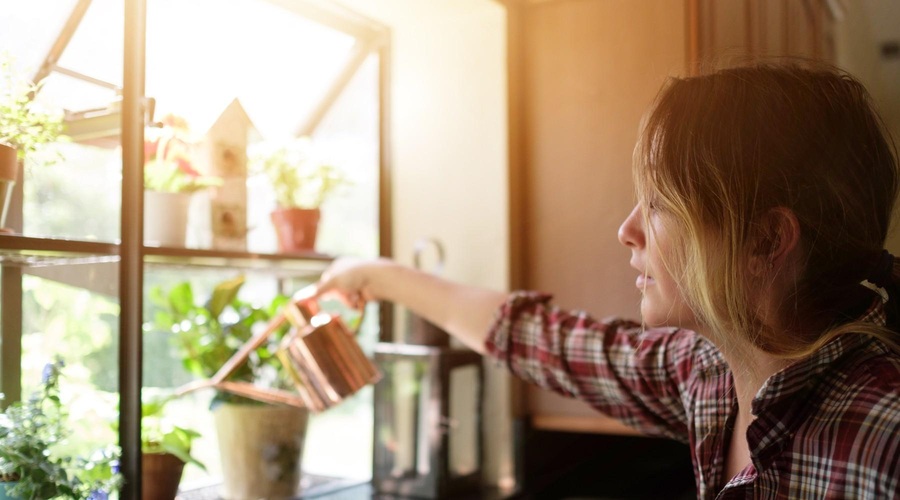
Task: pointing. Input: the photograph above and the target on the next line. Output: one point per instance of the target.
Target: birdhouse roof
(233, 125)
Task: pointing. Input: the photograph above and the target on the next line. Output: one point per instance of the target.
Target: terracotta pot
(9, 163)
(161, 473)
(261, 448)
(9, 172)
(295, 229)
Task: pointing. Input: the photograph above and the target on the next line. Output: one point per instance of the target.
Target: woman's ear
(777, 238)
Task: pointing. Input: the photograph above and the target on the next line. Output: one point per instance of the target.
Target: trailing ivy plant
(29, 432)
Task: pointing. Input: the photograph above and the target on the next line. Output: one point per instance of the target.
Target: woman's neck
(750, 370)
(751, 367)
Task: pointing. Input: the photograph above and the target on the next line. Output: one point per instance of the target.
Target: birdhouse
(223, 153)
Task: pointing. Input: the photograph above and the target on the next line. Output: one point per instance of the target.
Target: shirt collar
(798, 376)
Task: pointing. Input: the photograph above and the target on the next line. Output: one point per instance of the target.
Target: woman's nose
(631, 232)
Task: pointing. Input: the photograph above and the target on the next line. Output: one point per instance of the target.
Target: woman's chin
(650, 318)
(654, 317)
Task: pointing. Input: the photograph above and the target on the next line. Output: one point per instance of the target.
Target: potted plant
(24, 128)
(169, 181)
(260, 444)
(165, 449)
(301, 184)
(30, 467)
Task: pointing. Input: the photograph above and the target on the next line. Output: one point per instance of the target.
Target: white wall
(449, 154)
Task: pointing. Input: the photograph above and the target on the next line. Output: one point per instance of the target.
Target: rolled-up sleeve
(638, 376)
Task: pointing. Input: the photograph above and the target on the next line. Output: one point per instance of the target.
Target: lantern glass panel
(407, 385)
(463, 425)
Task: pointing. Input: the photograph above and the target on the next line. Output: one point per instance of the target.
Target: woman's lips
(644, 281)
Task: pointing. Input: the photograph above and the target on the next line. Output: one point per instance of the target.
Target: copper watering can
(319, 352)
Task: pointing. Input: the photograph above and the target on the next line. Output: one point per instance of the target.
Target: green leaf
(224, 293)
(181, 298)
(157, 297)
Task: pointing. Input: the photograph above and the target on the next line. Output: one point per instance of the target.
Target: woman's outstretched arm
(463, 311)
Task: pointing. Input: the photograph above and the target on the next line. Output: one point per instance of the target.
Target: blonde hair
(720, 152)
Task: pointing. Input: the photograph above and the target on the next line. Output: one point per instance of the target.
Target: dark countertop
(324, 488)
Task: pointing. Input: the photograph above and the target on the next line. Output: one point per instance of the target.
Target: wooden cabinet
(725, 32)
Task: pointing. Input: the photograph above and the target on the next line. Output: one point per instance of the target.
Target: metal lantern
(428, 421)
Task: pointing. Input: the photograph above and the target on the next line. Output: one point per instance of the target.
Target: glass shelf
(274, 264)
(25, 251)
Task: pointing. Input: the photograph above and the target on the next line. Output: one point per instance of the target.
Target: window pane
(96, 48)
(203, 54)
(76, 196)
(71, 313)
(29, 27)
(72, 190)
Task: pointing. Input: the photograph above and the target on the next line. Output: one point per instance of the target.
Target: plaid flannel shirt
(826, 427)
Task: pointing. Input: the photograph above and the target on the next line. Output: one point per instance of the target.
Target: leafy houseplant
(168, 166)
(208, 334)
(169, 181)
(159, 434)
(24, 127)
(166, 448)
(301, 184)
(30, 431)
(299, 179)
(260, 444)
(24, 124)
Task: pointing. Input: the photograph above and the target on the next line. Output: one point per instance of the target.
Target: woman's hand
(355, 281)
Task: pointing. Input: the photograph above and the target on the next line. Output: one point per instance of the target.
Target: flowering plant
(30, 433)
(167, 159)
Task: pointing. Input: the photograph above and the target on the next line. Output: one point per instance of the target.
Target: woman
(768, 339)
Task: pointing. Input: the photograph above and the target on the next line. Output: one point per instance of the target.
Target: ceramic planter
(166, 218)
(261, 449)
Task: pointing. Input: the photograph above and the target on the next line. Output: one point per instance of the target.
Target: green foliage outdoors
(208, 334)
(297, 177)
(30, 431)
(77, 323)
